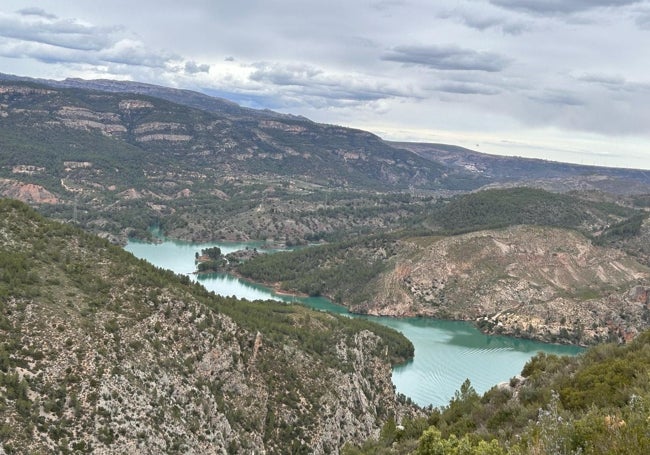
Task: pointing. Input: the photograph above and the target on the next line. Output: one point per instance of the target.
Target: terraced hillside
(119, 162)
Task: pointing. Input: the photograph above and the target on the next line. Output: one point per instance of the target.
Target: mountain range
(118, 157)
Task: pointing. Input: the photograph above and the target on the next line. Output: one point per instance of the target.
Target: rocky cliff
(103, 353)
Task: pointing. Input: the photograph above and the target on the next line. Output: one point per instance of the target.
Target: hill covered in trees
(522, 262)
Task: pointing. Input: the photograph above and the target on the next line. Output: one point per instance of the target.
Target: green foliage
(344, 269)
(432, 443)
(215, 261)
(595, 403)
(623, 230)
(213, 253)
(492, 209)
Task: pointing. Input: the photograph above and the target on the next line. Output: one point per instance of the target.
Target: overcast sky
(566, 80)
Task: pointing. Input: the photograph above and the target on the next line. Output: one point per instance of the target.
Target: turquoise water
(446, 352)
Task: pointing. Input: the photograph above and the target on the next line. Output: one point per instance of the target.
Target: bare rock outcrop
(27, 192)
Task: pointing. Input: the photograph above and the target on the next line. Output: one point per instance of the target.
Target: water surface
(446, 352)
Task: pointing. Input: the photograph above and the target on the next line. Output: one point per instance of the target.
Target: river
(446, 352)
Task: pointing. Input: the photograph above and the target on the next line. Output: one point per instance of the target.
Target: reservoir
(446, 352)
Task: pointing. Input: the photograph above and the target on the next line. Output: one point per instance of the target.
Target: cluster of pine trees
(595, 403)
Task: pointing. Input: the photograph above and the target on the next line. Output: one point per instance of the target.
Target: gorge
(446, 352)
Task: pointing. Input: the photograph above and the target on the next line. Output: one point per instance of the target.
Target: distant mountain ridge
(485, 168)
(119, 156)
(552, 175)
(212, 131)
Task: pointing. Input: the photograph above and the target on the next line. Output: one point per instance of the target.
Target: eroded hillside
(546, 283)
(119, 162)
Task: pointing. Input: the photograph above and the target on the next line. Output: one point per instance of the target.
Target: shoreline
(276, 289)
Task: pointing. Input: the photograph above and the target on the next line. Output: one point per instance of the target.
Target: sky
(564, 80)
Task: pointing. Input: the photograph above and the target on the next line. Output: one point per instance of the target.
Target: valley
(100, 351)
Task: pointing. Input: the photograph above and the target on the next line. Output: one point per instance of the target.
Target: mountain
(187, 98)
(217, 137)
(118, 157)
(522, 262)
(503, 171)
(118, 162)
(101, 352)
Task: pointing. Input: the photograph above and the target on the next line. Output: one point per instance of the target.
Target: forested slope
(522, 262)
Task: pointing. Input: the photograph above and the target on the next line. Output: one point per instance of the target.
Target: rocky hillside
(525, 262)
(200, 168)
(546, 283)
(103, 353)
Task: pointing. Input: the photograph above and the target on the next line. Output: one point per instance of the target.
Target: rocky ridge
(102, 353)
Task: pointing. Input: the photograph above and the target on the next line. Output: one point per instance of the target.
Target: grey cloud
(284, 74)
(643, 20)
(554, 7)
(479, 20)
(301, 84)
(34, 11)
(47, 29)
(384, 5)
(33, 33)
(137, 55)
(557, 97)
(465, 88)
(616, 84)
(602, 79)
(123, 55)
(447, 58)
(192, 67)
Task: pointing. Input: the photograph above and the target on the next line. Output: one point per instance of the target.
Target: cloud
(191, 67)
(555, 7)
(34, 11)
(34, 33)
(603, 79)
(466, 88)
(279, 74)
(615, 83)
(448, 58)
(557, 98)
(482, 20)
(39, 27)
(643, 20)
(300, 84)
